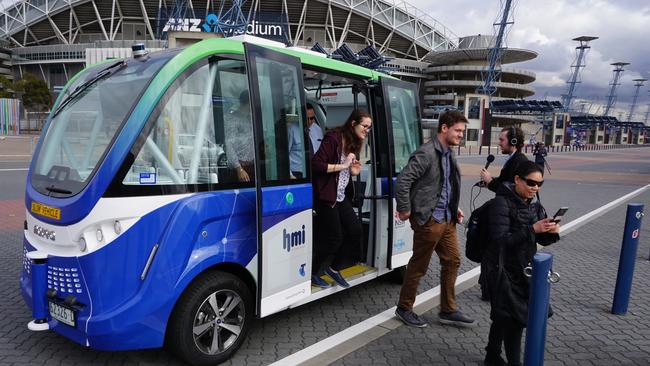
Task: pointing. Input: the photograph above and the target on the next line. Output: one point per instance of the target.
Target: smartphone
(558, 215)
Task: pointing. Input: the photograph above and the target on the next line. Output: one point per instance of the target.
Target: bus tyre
(211, 319)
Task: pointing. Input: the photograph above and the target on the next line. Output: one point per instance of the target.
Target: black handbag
(508, 302)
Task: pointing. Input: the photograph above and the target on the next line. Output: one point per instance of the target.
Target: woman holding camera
(517, 222)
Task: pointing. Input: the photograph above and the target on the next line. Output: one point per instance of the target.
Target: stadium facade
(54, 39)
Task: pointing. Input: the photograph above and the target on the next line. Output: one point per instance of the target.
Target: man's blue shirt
(441, 213)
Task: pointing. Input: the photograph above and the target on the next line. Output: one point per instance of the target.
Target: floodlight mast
(611, 98)
(638, 83)
(578, 64)
(492, 73)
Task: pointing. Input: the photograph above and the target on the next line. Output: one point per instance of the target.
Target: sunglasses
(311, 118)
(532, 182)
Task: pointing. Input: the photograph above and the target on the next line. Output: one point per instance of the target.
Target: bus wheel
(211, 319)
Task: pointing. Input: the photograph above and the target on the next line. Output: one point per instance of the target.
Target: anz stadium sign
(266, 26)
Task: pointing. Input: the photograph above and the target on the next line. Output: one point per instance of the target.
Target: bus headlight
(82, 244)
(100, 235)
(117, 227)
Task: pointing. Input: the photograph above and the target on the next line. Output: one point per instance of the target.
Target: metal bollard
(38, 271)
(540, 292)
(627, 258)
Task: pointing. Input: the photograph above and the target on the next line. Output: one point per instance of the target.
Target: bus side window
(406, 134)
(283, 155)
(190, 139)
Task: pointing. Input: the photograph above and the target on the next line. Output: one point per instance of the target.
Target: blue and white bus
(138, 232)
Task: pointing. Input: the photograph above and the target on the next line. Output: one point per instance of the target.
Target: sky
(548, 27)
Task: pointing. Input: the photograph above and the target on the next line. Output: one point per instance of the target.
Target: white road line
(13, 169)
(348, 340)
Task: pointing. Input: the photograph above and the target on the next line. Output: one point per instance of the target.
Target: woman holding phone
(517, 222)
(333, 165)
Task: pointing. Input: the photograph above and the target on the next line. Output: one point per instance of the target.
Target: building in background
(453, 76)
(55, 40)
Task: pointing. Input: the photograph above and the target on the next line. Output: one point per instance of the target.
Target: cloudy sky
(547, 27)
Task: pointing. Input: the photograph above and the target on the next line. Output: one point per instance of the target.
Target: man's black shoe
(456, 318)
(494, 360)
(410, 318)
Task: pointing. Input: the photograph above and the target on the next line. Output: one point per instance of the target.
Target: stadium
(55, 39)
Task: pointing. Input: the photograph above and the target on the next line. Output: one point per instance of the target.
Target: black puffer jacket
(510, 227)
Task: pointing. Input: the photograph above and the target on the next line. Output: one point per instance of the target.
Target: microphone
(490, 159)
(481, 183)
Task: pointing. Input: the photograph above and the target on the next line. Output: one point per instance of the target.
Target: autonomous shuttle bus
(162, 206)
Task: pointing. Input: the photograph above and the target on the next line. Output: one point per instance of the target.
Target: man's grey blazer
(419, 184)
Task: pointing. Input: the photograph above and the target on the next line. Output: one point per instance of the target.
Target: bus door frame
(289, 293)
(398, 233)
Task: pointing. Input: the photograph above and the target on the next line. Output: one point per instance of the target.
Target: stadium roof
(392, 26)
(457, 56)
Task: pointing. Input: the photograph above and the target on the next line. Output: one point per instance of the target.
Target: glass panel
(405, 122)
(79, 135)
(473, 111)
(283, 155)
(472, 134)
(203, 132)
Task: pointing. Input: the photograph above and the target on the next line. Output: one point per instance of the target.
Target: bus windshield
(87, 120)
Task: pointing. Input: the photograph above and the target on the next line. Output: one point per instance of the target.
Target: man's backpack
(477, 231)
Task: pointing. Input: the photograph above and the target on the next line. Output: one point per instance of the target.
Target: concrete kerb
(340, 344)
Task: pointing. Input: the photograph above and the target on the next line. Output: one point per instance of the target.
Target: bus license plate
(62, 313)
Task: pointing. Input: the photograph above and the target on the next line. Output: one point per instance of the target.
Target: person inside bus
(295, 138)
(516, 222)
(337, 226)
(314, 131)
(239, 139)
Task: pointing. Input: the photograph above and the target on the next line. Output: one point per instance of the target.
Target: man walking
(427, 193)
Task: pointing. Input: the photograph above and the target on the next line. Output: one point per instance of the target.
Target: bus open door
(283, 191)
(403, 134)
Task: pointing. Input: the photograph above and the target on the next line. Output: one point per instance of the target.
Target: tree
(35, 93)
(6, 87)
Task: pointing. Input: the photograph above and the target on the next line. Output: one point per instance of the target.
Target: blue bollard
(540, 292)
(38, 269)
(627, 259)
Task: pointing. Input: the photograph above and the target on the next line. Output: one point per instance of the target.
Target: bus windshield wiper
(57, 190)
(81, 88)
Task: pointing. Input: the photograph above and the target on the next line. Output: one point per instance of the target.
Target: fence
(9, 117)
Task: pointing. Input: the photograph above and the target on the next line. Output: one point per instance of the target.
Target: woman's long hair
(353, 143)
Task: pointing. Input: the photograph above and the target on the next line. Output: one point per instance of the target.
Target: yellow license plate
(47, 211)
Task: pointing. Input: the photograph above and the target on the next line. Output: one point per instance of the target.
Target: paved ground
(582, 330)
(581, 180)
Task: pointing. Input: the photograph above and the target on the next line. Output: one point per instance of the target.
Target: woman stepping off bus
(333, 165)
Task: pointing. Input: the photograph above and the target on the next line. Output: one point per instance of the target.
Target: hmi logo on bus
(210, 25)
(293, 239)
